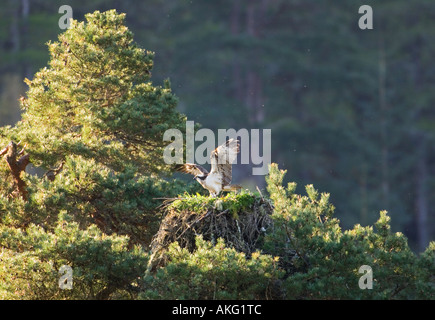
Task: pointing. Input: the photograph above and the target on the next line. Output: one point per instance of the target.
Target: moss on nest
(240, 219)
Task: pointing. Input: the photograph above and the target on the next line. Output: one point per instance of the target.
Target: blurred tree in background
(350, 110)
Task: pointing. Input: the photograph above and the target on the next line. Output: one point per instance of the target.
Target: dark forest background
(351, 111)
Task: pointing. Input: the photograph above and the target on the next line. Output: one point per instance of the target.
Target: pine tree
(323, 262)
(97, 100)
(212, 272)
(92, 124)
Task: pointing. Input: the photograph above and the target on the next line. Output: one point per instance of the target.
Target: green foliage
(316, 78)
(234, 202)
(95, 110)
(322, 261)
(93, 119)
(102, 265)
(95, 99)
(212, 272)
(118, 202)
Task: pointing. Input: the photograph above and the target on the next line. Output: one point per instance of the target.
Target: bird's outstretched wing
(222, 158)
(191, 168)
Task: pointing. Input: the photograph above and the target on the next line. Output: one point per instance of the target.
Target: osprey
(219, 177)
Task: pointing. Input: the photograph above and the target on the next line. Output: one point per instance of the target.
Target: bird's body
(211, 182)
(219, 177)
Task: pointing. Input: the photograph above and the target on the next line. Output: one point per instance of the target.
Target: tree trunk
(14, 30)
(254, 87)
(385, 185)
(237, 70)
(363, 194)
(421, 201)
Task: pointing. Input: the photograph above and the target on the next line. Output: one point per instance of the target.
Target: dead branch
(10, 154)
(3, 152)
(51, 174)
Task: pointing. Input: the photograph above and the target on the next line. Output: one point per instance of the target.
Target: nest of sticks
(242, 230)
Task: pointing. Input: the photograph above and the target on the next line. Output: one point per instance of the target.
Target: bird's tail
(232, 187)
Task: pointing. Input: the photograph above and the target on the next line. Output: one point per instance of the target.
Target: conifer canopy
(95, 99)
